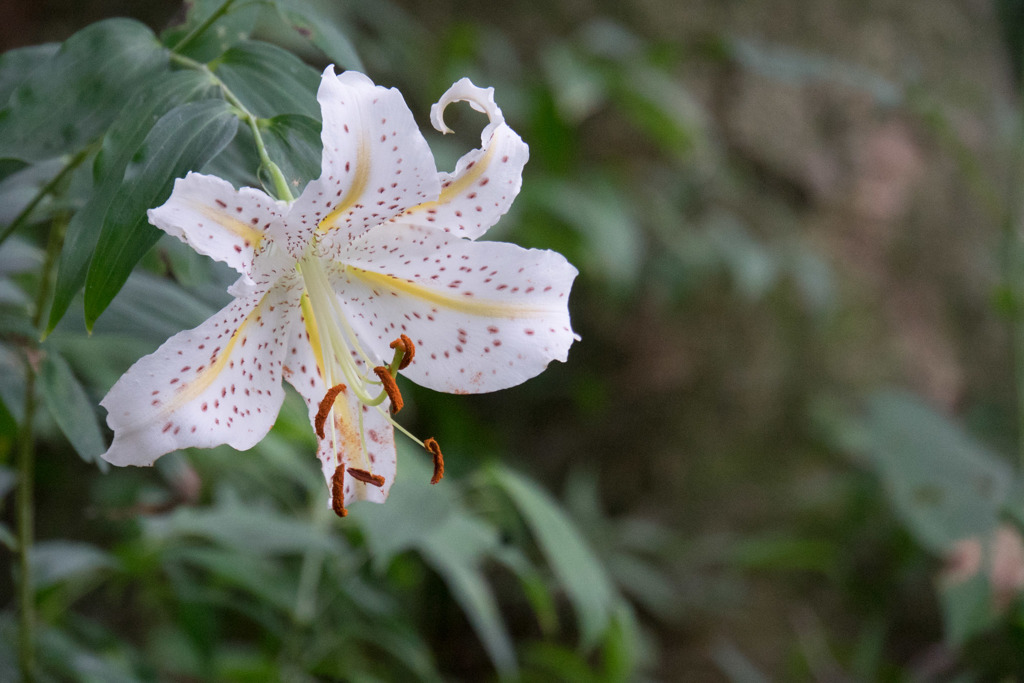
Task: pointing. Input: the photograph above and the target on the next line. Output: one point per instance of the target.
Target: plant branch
(73, 163)
(25, 503)
(280, 182)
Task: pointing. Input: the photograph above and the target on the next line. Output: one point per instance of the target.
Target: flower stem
(25, 500)
(1013, 271)
(25, 508)
(73, 163)
(281, 188)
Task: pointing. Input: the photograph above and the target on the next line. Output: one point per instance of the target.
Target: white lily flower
(374, 261)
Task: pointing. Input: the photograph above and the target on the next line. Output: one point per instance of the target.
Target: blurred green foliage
(718, 483)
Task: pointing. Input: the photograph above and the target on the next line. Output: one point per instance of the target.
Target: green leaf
(596, 208)
(72, 98)
(12, 388)
(16, 66)
(968, 606)
(268, 80)
(19, 189)
(245, 528)
(8, 480)
(71, 407)
(574, 563)
(184, 139)
(944, 485)
(54, 562)
(120, 144)
(7, 538)
(293, 143)
(455, 551)
(232, 27)
(322, 31)
(263, 578)
(414, 509)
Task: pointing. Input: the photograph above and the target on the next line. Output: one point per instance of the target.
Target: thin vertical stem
(25, 502)
(1014, 270)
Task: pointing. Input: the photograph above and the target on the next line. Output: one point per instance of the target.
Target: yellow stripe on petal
(362, 174)
(464, 303)
(204, 379)
(460, 184)
(251, 236)
(311, 329)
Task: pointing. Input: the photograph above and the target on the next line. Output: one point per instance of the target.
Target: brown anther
(408, 350)
(338, 491)
(435, 450)
(325, 407)
(366, 477)
(390, 386)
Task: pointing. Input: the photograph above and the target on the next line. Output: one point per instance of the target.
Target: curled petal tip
(463, 90)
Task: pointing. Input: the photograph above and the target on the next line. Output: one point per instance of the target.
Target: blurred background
(796, 226)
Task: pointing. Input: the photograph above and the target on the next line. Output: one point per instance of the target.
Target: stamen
(338, 491)
(390, 386)
(366, 477)
(325, 407)
(435, 450)
(408, 350)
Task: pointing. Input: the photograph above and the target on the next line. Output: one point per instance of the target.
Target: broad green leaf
(293, 143)
(322, 31)
(666, 111)
(263, 578)
(455, 550)
(597, 209)
(623, 646)
(8, 479)
(17, 65)
(534, 585)
(414, 509)
(239, 162)
(805, 69)
(20, 256)
(71, 407)
(19, 188)
(268, 80)
(784, 552)
(232, 27)
(120, 144)
(7, 538)
(64, 659)
(56, 561)
(12, 388)
(71, 99)
(734, 665)
(944, 484)
(242, 527)
(967, 607)
(573, 562)
(578, 87)
(184, 139)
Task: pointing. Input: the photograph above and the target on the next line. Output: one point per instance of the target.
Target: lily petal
(367, 443)
(215, 219)
(376, 164)
(483, 315)
(219, 383)
(485, 181)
